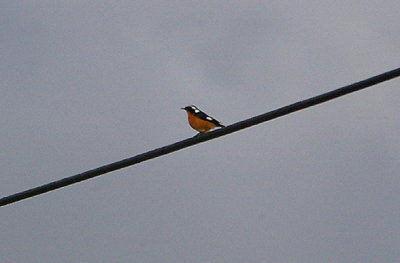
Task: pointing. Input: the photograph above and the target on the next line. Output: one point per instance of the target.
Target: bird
(200, 121)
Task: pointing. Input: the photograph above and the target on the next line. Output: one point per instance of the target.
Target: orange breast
(199, 124)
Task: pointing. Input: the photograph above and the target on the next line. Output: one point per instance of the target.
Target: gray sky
(85, 83)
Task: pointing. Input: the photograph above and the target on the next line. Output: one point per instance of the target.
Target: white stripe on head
(196, 110)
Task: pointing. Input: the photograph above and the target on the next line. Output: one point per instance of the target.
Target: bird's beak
(182, 108)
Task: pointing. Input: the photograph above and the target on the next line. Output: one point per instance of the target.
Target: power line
(199, 139)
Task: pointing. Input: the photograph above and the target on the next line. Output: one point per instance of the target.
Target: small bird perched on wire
(200, 121)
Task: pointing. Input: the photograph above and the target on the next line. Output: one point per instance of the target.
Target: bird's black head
(191, 109)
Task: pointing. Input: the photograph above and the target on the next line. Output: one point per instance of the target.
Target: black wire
(198, 139)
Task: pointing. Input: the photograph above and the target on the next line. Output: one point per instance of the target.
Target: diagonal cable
(199, 139)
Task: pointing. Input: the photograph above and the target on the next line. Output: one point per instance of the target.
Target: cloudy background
(86, 83)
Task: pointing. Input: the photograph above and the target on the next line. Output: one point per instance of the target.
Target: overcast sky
(86, 83)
